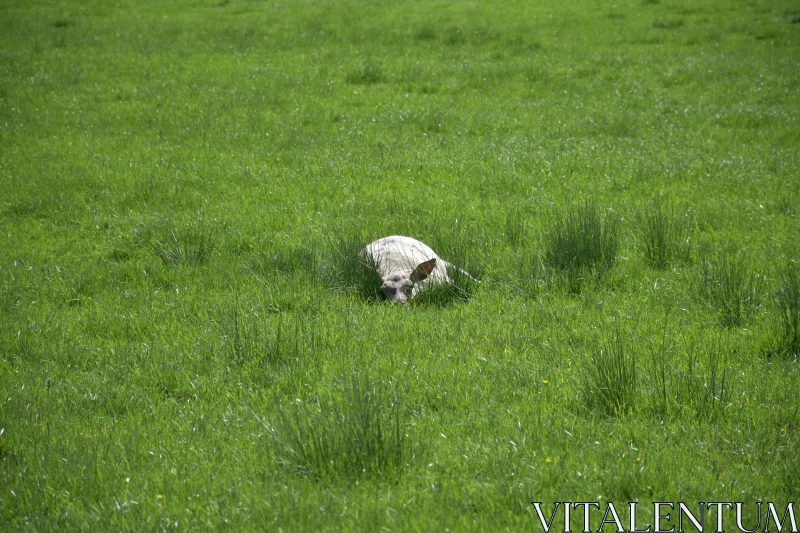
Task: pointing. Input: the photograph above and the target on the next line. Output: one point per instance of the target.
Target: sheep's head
(400, 289)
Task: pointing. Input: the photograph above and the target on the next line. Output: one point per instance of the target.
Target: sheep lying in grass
(406, 265)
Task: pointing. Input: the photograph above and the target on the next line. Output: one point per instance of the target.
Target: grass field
(185, 344)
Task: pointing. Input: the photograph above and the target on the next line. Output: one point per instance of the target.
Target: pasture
(186, 342)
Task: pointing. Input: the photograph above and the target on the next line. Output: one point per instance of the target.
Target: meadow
(186, 342)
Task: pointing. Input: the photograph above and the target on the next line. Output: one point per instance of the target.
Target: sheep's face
(397, 289)
(400, 289)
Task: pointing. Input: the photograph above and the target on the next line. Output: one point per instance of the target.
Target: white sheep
(406, 265)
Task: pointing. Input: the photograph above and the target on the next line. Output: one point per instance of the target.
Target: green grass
(189, 339)
(610, 378)
(581, 242)
(665, 237)
(786, 340)
(730, 285)
(347, 439)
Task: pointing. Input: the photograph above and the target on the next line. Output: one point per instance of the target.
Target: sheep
(406, 265)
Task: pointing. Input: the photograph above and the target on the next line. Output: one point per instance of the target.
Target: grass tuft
(729, 285)
(425, 33)
(275, 351)
(610, 377)
(345, 268)
(454, 245)
(192, 246)
(362, 435)
(367, 74)
(787, 336)
(248, 338)
(705, 393)
(461, 289)
(581, 241)
(664, 237)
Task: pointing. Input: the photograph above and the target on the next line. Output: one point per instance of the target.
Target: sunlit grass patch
(19, 344)
(610, 381)
(514, 227)
(581, 241)
(785, 337)
(704, 388)
(190, 245)
(729, 284)
(522, 274)
(689, 381)
(72, 287)
(664, 236)
(285, 259)
(185, 191)
(362, 434)
(248, 336)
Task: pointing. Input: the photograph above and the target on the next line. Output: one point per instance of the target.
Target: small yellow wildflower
(638, 459)
(548, 460)
(159, 496)
(545, 381)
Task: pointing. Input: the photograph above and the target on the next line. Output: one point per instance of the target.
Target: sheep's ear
(423, 270)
